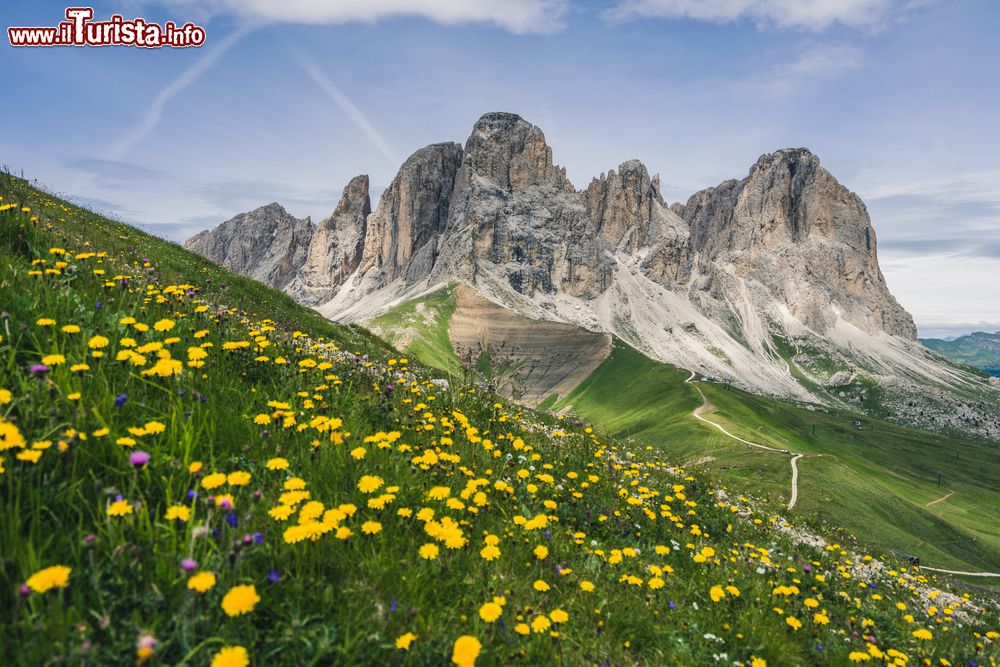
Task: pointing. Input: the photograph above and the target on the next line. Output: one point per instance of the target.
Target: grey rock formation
(267, 244)
(806, 238)
(407, 225)
(308, 261)
(840, 379)
(335, 250)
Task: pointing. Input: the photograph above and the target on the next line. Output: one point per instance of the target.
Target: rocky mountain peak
(794, 228)
(267, 244)
(334, 251)
(355, 198)
(623, 204)
(412, 214)
(512, 153)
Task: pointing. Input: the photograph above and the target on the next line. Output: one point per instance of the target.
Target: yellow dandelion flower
(213, 481)
(277, 463)
(56, 576)
(178, 513)
(403, 641)
(558, 616)
(465, 651)
(238, 478)
(490, 612)
(201, 582)
(231, 656)
(370, 483)
(119, 508)
(540, 624)
(240, 600)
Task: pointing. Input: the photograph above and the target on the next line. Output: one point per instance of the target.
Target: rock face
(271, 246)
(411, 216)
(266, 244)
(791, 226)
(334, 252)
(786, 252)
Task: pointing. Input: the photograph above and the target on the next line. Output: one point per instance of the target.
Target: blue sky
(288, 100)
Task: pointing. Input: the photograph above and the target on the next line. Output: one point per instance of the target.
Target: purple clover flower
(138, 458)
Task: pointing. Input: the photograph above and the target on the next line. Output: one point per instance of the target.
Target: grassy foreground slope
(185, 483)
(877, 482)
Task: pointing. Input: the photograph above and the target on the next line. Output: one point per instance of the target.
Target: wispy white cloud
(154, 113)
(813, 64)
(949, 188)
(348, 107)
(517, 16)
(802, 14)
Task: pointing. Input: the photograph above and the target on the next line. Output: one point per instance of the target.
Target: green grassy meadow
(197, 471)
(874, 483)
(426, 320)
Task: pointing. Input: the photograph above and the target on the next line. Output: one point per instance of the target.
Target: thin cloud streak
(516, 16)
(348, 107)
(155, 111)
(815, 65)
(810, 15)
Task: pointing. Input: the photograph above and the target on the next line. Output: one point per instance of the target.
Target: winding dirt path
(705, 405)
(942, 498)
(967, 574)
(795, 480)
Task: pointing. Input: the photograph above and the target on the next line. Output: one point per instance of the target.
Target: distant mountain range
(979, 349)
(771, 281)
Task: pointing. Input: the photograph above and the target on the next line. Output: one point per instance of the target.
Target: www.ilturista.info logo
(81, 30)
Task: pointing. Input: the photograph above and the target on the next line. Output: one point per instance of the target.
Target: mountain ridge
(980, 349)
(785, 256)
